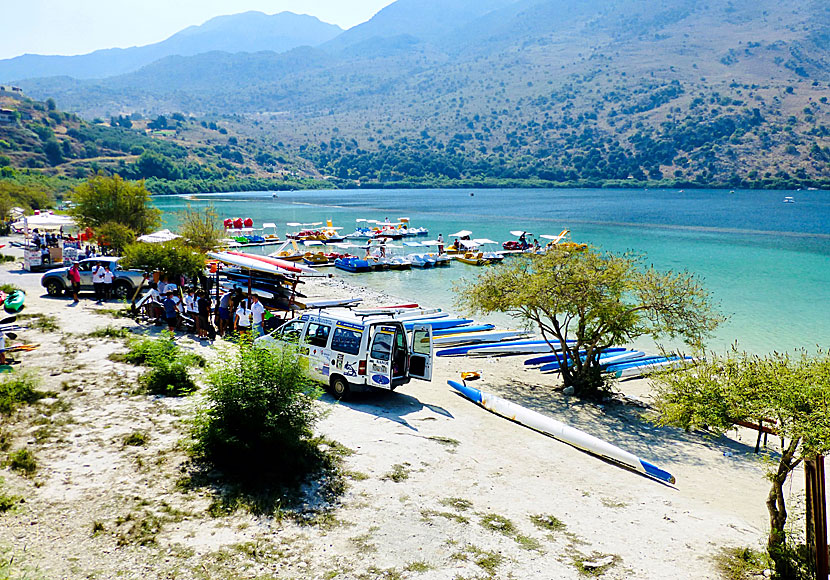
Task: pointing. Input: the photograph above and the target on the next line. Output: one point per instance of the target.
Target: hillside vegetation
(529, 92)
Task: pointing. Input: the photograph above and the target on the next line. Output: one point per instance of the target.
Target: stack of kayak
(619, 362)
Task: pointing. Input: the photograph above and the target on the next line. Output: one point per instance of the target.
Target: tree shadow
(631, 427)
(390, 405)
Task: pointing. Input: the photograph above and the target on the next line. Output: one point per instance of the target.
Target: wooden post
(817, 515)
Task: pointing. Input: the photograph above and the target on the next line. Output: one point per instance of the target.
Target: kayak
(14, 301)
(438, 322)
(478, 337)
(561, 431)
(638, 370)
(604, 359)
(549, 358)
(464, 329)
(463, 350)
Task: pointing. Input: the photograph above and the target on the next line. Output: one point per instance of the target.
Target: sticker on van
(380, 379)
(350, 325)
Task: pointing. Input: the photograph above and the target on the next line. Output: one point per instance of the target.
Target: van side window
(290, 332)
(346, 340)
(382, 346)
(317, 334)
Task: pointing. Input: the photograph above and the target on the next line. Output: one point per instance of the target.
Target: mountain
(245, 32)
(557, 90)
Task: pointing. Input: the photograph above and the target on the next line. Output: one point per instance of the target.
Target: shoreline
(437, 486)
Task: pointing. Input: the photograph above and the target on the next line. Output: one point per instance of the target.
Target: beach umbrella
(461, 234)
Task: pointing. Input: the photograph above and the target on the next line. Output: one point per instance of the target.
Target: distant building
(17, 91)
(7, 116)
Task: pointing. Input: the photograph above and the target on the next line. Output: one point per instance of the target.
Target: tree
(200, 228)
(259, 413)
(116, 236)
(794, 392)
(102, 199)
(173, 259)
(595, 299)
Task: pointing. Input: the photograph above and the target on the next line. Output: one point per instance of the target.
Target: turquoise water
(766, 262)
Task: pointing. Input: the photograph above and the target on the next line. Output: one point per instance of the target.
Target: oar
(11, 335)
(22, 347)
(8, 320)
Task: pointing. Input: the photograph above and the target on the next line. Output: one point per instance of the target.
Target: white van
(352, 353)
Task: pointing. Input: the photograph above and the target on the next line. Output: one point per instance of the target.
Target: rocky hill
(561, 91)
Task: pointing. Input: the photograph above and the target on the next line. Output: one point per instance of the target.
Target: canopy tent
(158, 237)
(461, 234)
(44, 221)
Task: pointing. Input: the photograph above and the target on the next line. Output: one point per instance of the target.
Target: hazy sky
(81, 26)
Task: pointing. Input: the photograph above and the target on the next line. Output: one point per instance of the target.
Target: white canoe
(562, 432)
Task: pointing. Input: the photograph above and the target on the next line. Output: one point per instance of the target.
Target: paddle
(11, 335)
(20, 347)
(8, 320)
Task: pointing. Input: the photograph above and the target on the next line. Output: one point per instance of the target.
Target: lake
(766, 262)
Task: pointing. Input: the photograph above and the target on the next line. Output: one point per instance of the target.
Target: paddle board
(638, 370)
(561, 431)
(438, 323)
(478, 337)
(603, 359)
(463, 329)
(463, 350)
(548, 358)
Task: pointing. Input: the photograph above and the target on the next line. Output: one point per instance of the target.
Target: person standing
(98, 282)
(440, 244)
(171, 311)
(242, 320)
(192, 308)
(108, 278)
(257, 315)
(203, 305)
(224, 313)
(75, 280)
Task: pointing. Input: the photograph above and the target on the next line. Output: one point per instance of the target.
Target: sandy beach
(438, 488)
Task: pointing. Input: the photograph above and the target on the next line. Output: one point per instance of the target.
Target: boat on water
(353, 265)
(561, 431)
(289, 250)
(789, 199)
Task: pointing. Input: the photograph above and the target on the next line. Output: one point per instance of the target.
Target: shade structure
(158, 237)
(44, 221)
(461, 234)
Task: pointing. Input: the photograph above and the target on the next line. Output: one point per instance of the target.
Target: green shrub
(16, 389)
(258, 419)
(23, 461)
(169, 372)
(110, 331)
(8, 288)
(7, 502)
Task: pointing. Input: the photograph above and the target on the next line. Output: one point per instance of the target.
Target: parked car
(124, 282)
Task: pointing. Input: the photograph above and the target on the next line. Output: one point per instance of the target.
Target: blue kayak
(548, 358)
(638, 362)
(617, 357)
(460, 350)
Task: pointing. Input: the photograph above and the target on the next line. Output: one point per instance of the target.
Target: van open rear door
(420, 357)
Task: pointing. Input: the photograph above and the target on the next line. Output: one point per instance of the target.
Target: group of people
(234, 312)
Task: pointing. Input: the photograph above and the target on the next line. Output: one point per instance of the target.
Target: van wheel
(121, 290)
(340, 388)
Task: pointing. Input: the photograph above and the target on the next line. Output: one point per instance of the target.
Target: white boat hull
(562, 432)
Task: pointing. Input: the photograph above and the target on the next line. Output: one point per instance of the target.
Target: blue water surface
(766, 262)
